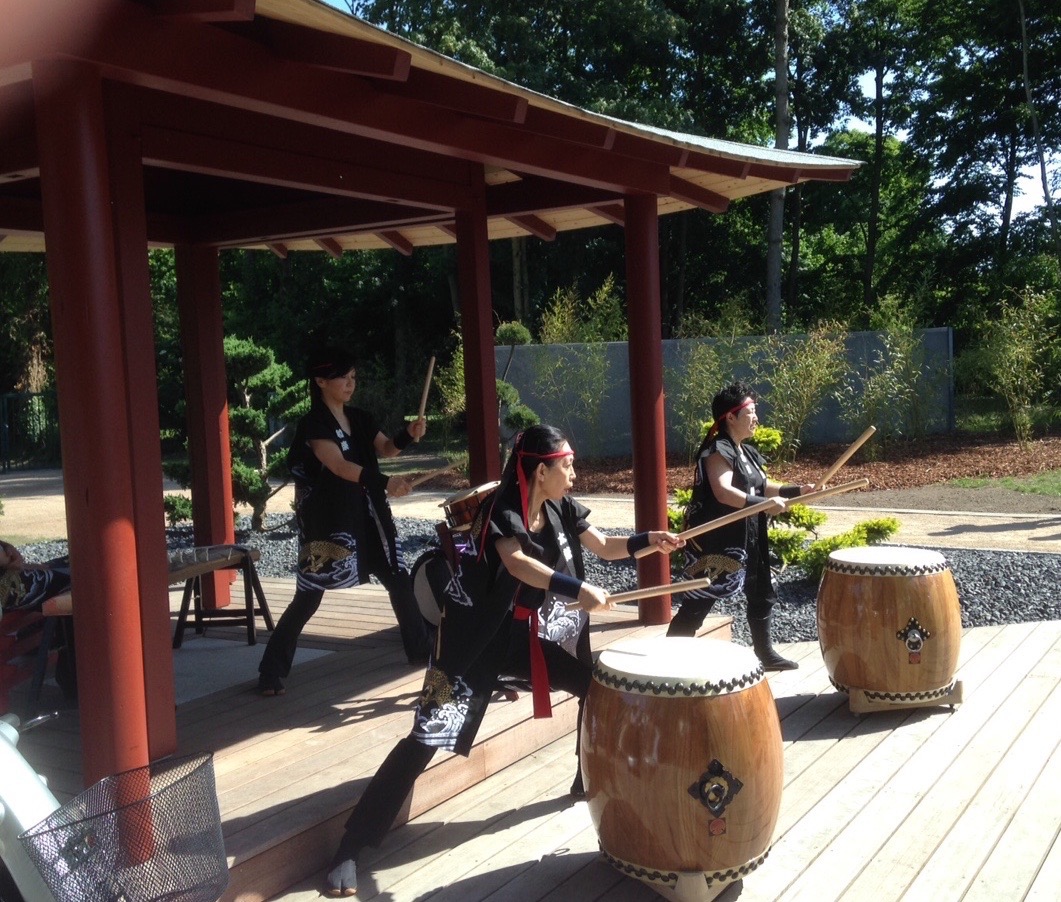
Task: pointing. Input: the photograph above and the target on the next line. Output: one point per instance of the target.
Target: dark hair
(528, 449)
(327, 363)
(730, 397)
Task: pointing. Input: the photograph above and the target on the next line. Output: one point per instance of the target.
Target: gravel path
(994, 587)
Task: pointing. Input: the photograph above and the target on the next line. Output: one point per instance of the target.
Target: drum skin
(889, 620)
(675, 780)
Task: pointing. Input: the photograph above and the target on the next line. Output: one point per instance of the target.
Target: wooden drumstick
(427, 387)
(843, 458)
(726, 519)
(688, 585)
(812, 497)
(424, 477)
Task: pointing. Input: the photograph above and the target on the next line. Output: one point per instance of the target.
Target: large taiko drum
(682, 761)
(889, 624)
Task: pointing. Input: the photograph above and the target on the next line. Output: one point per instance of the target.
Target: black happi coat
(345, 529)
(750, 534)
(477, 619)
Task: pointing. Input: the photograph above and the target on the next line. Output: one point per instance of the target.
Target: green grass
(1048, 483)
(989, 416)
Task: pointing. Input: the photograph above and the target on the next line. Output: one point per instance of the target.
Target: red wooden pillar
(646, 393)
(477, 328)
(205, 388)
(97, 372)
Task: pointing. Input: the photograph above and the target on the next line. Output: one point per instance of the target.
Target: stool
(190, 565)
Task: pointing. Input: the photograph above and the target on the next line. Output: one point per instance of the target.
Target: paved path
(34, 510)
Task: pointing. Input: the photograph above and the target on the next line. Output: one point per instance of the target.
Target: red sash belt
(539, 671)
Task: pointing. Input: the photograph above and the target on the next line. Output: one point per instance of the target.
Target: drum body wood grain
(462, 507)
(682, 760)
(889, 622)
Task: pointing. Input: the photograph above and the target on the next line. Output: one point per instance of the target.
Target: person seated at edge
(25, 585)
(731, 475)
(346, 531)
(524, 551)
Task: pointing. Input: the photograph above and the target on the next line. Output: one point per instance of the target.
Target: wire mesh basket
(145, 835)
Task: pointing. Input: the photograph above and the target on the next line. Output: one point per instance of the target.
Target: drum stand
(867, 701)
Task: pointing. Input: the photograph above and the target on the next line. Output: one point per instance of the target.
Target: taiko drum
(682, 759)
(462, 507)
(889, 621)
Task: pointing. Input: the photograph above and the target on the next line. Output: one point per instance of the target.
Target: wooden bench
(188, 566)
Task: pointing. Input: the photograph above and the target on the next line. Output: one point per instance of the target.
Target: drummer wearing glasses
(730, 475)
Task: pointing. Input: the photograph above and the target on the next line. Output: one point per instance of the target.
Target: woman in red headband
(506, 610)
(731, 475)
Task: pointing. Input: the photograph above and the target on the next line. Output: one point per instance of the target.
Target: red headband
(521, 477)
(713, 431)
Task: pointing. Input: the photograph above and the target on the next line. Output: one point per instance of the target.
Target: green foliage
(816, 555)
(768, 440)
(178, 509)
(800, 371)
(676, 514)
(787, 543)
(449, 380)
(570, 320)
(1012, 358)
(703, 369)
(513, 333)
(802, 516)
(887, 391)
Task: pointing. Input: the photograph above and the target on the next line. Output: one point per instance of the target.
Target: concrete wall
(610, 434)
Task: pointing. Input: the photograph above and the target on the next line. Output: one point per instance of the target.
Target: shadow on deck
(289, 769)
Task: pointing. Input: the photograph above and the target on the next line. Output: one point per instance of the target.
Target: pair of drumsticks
(693, 584)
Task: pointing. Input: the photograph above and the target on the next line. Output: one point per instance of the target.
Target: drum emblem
(715, 790)
(913, 635)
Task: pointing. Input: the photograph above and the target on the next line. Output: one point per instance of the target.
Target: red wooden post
(477, 327)
(138, 326)
(646, 393)
(94, 414)
(202, 343)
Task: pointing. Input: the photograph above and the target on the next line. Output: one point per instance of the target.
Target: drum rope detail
(849, 568)
(651, 687)
(670, 878)
(924, 696)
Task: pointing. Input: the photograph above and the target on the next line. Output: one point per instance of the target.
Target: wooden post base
(864, 701)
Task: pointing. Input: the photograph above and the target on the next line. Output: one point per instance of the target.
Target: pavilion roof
(290, 125)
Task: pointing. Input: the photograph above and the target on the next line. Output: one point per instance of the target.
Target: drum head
(473, 492)
(886, 560)
(678, 667)
(431, 573)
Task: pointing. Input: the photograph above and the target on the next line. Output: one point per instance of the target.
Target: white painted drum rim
(678, 667)
(886, 560)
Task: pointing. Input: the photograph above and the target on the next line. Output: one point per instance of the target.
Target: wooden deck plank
(1017, 858)
(856, 788)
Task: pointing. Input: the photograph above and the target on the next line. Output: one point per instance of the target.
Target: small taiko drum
(462, 507)
(682, 761)
(889, 626)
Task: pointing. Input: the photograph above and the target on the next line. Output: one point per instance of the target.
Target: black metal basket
(145, 835)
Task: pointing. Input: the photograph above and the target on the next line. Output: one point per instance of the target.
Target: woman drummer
(345, 527)
(524, 557)
(730, 475)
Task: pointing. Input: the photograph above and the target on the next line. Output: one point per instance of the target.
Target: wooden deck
(913, 804)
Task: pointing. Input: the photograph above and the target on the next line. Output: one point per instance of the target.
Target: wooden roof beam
(397, 241)
(691, 193)
(279, 249)
(330, 246)
(473, 98)
(332, 51)
(215, 65)
(615, 213)
(537, 226)
(208, 155)
(203, 10)
(533, 194)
